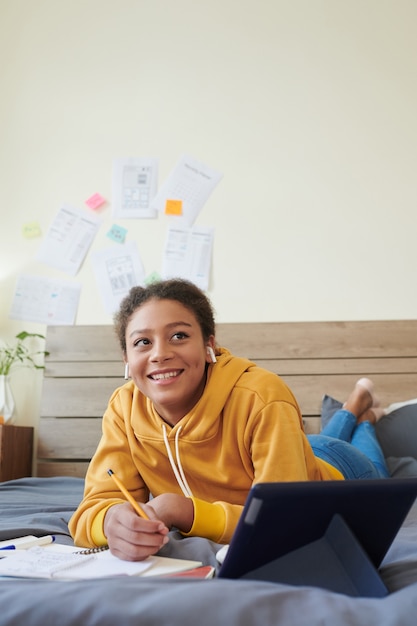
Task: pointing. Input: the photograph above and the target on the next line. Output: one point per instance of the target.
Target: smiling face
(167, 356)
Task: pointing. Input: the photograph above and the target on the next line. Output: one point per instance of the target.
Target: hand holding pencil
(127, 537)
(127, 495)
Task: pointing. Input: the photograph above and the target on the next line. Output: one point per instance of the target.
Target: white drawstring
(178, 471)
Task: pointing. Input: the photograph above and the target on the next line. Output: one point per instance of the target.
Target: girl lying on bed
(196, 427)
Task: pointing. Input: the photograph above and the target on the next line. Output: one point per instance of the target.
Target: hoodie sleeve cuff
(209, 520)
(97, 533)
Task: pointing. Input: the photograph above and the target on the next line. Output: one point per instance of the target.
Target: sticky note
(173, 207)
(95, 201)
(153, 277)
(31, 229)
(117, 233)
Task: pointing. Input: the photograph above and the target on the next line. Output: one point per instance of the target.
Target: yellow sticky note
(31, 229)
(173, 207)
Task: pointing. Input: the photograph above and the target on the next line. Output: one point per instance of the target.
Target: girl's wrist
(174, 510)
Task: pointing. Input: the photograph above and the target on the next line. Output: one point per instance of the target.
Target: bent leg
(365, 440)
(341, 425)
(348, 441)
(344, 421)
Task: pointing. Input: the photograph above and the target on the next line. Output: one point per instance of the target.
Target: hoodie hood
(222, 377)
(202, 422)
(200, 426)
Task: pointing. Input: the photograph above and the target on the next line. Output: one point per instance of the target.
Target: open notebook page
(65, 562)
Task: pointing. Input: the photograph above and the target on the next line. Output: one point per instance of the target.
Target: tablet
(307, 520)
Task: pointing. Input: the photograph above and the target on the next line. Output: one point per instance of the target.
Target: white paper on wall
(134, 184)
(188, 253)
(190, 182)
(68, 239)
(45, 300)
(117, 269)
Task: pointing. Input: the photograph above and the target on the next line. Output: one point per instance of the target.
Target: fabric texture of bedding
(44, 505)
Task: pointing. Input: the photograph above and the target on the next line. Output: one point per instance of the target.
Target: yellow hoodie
(246, 428)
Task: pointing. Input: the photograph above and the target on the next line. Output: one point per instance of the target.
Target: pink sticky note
(95, 201)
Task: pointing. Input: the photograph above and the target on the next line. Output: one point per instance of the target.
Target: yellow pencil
(127, 495)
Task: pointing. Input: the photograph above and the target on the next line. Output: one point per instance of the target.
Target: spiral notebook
(68, 563)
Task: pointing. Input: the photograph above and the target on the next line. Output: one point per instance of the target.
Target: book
(205, 571)
(27, 541)
(69, 563)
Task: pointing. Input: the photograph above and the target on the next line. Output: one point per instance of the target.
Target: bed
(320, 361)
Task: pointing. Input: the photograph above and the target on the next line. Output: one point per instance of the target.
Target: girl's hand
(131, 537)
(174, 510)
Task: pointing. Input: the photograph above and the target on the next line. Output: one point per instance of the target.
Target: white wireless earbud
(210, 351)
(126, 371)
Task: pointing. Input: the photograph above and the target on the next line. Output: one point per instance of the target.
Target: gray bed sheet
(44, 505)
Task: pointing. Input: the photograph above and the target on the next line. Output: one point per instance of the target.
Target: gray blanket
(43, 506)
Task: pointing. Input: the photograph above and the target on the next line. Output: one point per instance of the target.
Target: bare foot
(371, 415)
(361, 398)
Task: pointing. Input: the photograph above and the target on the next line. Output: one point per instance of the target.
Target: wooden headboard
(314, 358)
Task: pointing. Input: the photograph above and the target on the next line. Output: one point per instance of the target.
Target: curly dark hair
(181, 290)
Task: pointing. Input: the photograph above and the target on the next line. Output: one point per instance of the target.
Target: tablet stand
(336, 562)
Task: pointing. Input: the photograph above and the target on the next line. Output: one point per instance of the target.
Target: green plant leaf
(20, 354)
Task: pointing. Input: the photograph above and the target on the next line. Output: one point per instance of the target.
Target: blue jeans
(350, 447)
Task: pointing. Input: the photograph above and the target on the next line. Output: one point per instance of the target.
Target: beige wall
(308, 107)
